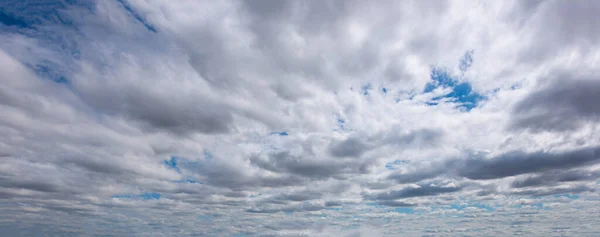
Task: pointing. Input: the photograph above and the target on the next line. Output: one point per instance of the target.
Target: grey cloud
(91, 164)
(351, 147)
(393, 203)
(563, 104)
(321, 190)
(40, 185)
(557, 25)
(478, 167)
(269, 54)
(283, 162)
(221, 174)
(420, 137)
(396, 71)
(221, 75)
(553, 191)
(554, 178)
(515, 163)
(333, 203)
(289, 208)
(299, 196)
(356, 147)
(153, 101)
(423, 174)
(178, 113)
(420, 191)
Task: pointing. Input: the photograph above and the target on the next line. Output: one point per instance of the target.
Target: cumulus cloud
(298, 118)
(563, 104)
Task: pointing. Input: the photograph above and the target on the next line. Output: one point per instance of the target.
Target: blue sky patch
(143, 196)
(405, 210)
(374, 204)
(208, 155)
(46, 72)
(188, 181)
(29, 14)
(462, 206)
(9, 20)
(568, 195)
(137, 16)
(180, 164)
(283, 134)
(464, 95)
(395, 163)
(366, 88)
(516, 86)
(172, 164)
(341, 123)
(149, 196)
(462, 92)
(439, 78)
(206, 217)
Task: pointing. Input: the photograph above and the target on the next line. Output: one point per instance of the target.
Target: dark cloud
(289, 208)
(392, 203)
(478, 167)
(284, 162)
(223, 174)
(99, 166)
(420, 191)
(35, 185)
(159, 110)
(515, 163)
(553, 191)
(333, 203)
(563, 104)
(356, 147)
(422, 174)
(351, 147)
(555, 177)
(299, 196)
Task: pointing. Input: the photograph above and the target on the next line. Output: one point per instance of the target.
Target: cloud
(554, 178)
(419, 191)
(563, 104)
(351, 147)
(284, 162)
(298, 118)
(355, 147)
(481, 167)
(515, 163)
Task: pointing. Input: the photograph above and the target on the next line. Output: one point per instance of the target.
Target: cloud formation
(299, 118)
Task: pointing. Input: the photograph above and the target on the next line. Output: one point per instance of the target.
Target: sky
(299, 118)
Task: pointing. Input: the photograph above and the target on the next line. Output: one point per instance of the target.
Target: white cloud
(298, 118)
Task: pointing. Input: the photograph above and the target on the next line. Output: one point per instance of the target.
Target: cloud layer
(299, 118)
